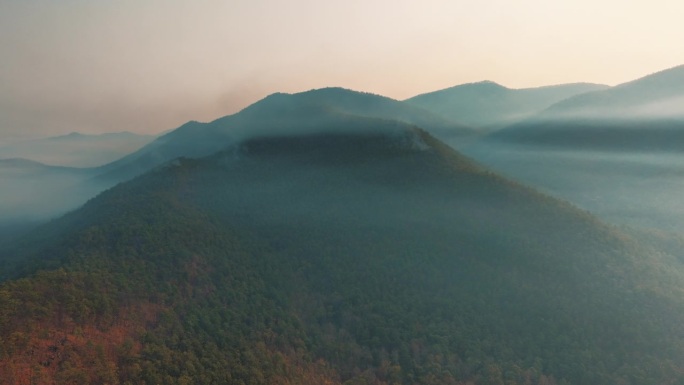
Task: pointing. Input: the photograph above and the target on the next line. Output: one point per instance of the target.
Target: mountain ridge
(338, 257)
(628, 100)
(644, 115)
(489, 105)
(279, 112)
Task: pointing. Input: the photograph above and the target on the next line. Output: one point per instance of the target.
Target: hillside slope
(375, 255)
(51, 195)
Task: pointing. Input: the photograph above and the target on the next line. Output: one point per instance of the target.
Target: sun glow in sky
(149, 66)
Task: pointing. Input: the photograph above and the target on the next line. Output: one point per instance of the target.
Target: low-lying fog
(641, 189)
(32, 193)
(76, 150)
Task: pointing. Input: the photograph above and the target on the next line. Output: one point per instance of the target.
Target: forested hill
(370, 257)
(279, 113)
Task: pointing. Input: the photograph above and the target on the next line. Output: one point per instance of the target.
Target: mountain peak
(312, 104)
(655, 96)
(489, 83)
(483, 85)
(326, 91)
(324, 110)
(487, 104)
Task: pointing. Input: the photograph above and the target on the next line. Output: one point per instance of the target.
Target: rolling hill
(489, 105)
(353, 251)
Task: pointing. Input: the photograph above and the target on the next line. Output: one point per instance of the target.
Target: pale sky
(150, 65)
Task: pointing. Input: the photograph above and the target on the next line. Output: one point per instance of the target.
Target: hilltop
(365, 251)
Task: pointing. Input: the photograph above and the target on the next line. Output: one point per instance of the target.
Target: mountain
(625, 185)
(646, 114)
(76, 149)
(615, 152)
(278, 112)
(656, 96)
(490, 105)
(352, 251)
(30, 167)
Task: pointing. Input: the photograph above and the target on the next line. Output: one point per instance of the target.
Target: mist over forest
(343, 237)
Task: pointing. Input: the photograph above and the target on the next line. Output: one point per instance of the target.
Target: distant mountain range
(656, 96)
(646, 114)
(481, 103)
(76, 149)
(489, 105)
(339, 250)
(330, 237)
(618, 152)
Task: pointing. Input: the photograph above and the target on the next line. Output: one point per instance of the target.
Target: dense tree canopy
(355, 259)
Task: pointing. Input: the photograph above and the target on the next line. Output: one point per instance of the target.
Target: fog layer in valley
(618, 152)
(621, 160)
(41, 179)
(75, 149)
(640, 189)
(31, 191)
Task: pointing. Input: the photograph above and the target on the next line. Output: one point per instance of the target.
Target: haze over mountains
(644, 114)
(34, 191)
(659, 95)
(306, 111)
(489, 105)
(331, 236)
(365, 251)
(44, 178)
(287, 113)
(76, 149)
(295, 112)
(616, 152)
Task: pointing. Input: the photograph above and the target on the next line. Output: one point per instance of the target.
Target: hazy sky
(148, 66)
